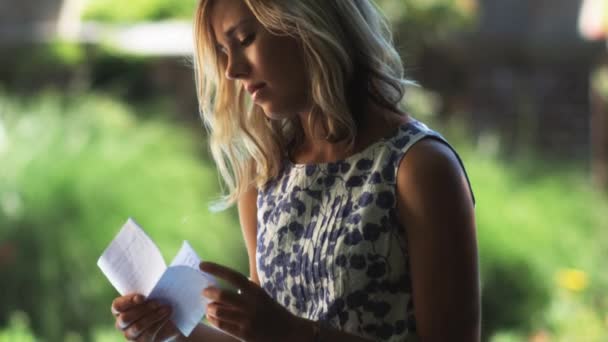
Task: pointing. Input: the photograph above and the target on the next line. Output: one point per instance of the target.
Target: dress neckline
(395, 133)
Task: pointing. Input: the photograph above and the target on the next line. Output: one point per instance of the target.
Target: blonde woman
(358, 219)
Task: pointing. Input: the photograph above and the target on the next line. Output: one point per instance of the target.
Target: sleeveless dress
(330, 247)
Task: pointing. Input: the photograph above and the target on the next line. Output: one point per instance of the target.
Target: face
(257, 59)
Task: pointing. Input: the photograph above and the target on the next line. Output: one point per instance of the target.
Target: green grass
(74, 169)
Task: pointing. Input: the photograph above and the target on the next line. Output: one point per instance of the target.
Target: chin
(275, 114)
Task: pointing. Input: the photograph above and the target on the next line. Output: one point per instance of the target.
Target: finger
(146, 324)
(229, 327)
(147, 327)
(114, 311)
(165, 332)
(126, 318)
(156, 329)
(225, 313)
(124, 303)
(223, 272)
(224, 297)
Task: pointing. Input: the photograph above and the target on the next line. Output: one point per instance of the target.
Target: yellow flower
(572, 279)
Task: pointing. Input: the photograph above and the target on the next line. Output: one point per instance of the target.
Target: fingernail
(206, 292)
(138, 299)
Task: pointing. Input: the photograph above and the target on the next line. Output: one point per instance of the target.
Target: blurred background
(99, 122)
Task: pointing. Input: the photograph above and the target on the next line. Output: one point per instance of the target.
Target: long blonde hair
(349, 56)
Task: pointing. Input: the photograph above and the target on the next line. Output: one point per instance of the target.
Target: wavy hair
(350, 59)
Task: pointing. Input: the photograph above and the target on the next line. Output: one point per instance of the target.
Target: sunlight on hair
(342, 40)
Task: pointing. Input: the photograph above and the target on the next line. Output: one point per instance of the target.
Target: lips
(252, 88)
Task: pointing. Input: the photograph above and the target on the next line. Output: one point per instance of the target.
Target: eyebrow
(230, 31)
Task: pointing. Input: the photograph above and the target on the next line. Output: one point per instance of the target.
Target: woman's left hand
(249, 315)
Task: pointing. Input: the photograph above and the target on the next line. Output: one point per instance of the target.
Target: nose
(237, 66)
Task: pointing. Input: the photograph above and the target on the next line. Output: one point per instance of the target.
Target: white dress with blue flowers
(329, 244)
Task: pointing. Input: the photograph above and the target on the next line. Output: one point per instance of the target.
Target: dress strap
(412, 132)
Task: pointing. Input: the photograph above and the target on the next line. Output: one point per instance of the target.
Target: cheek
(281, 64)
(292, 76)
(284, 60)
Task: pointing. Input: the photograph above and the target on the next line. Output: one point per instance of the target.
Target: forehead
(224, 14)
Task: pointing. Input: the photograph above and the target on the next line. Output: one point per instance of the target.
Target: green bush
(73, 170)
(27, 67)
(419, 24)
(514, 296)
(537, 219)
(18, 329)
(118, 11)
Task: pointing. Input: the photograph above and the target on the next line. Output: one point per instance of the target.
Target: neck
(378, 122)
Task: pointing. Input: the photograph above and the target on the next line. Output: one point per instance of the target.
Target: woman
(358, 219)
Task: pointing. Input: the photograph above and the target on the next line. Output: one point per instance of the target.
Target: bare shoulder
(427, 155)
(430, 174)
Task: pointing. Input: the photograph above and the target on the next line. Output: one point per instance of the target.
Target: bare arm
(248, 209)
(436, 210)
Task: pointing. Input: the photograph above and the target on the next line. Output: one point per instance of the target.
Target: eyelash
(248, 40)
(245, 42)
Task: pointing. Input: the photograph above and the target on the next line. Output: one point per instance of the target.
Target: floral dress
(330, 247)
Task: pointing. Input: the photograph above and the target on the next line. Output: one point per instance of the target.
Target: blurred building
(30, 28)
(524, 73)
(26, 21)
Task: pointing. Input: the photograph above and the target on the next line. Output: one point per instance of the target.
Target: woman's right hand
(143, 321)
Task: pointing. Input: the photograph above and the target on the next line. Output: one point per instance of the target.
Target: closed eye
(245, 42)
(248, 40)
